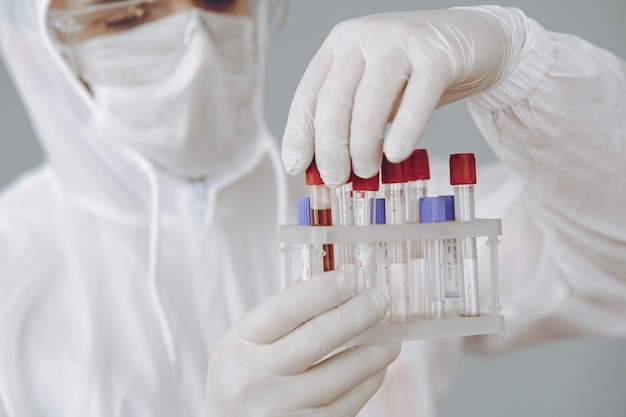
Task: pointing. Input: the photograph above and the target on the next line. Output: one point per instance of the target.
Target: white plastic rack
(294, 238)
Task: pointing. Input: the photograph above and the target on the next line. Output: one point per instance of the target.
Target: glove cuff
(528, 65)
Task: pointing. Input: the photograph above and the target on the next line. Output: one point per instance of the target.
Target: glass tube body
(417, 281)
(365, 256)
(344, 259)
(310, 263)
(397, 254)
(434, 254)
(381, 249)
(468, 261)
(321, 215)
(452, 282)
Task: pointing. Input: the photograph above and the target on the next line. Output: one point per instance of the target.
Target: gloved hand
(270, 362)
(395, 67)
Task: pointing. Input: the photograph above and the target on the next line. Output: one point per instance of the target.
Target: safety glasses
(82, 20)
(106, 42)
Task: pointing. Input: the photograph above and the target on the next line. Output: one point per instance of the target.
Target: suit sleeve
(557, 124)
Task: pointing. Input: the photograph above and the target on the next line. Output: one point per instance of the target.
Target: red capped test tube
(343, 213)
(364, 210)
(417, 185)
(321, 209)
(417, 189)
(394, 179)
(463, 179)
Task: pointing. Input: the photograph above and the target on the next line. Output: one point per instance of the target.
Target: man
(131, 255)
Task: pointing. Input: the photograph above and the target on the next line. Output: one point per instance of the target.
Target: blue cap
(304, 211)
(432, 210)
(448, 203)
(381, 218)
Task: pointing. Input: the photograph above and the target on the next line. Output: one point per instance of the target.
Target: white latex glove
(270, 362)
(404, 64)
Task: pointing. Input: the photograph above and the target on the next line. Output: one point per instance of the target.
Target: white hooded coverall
(116, 280)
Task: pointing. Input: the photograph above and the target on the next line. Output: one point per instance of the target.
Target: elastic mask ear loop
(68, 25)
(194, 23)
(62, 65)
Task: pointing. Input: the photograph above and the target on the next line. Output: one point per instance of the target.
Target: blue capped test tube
(452, 282)
(310, 263)
(381, 264)
(463, 179)
(432, 210)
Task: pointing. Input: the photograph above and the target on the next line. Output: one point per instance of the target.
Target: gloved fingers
(341, 373)
(299, 136)
(287, 310)
(382, 83)
(333, 114)
(421, 98)
(353, 401)
(319, 336)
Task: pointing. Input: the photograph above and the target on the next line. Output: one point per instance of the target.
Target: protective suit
(118, 278)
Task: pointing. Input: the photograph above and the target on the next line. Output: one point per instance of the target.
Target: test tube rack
(293, 237)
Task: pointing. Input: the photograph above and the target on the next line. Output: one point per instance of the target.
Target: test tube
(417, 188)
(394, 178)
(381, 253)
(321, 211)
(452, 284)
(311, 264)
(364, 210)
(344, 260)
(431, 211)
(463, 179)
(417, 185)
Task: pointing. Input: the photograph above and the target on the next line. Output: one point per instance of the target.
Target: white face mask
(200, 118)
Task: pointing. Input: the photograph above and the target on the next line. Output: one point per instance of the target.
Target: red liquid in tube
(324, 217)
(321, 211)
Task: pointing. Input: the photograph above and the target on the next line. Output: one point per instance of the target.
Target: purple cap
(448, 203)
(304, 211)
(380, 211)
(432, 210)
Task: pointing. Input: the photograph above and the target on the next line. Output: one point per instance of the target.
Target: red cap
(365, 184)
(395, 173)
(313, 176)
(420, 167)
(462, 169)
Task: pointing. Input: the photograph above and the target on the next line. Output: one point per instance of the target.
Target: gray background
(571, 378)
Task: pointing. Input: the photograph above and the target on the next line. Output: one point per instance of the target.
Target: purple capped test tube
(452, 282)
(310, 263)
(432, 210)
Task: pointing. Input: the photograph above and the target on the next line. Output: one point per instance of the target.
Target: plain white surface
(570, 377)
